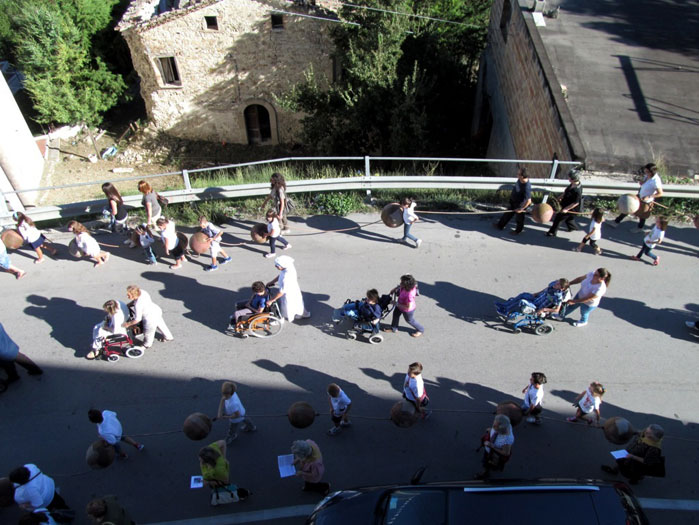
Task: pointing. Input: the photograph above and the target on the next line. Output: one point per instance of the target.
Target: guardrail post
(4, 211)
(552, 175)
(187, 183)
(367, 173)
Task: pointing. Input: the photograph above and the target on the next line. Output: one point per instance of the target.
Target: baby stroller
(364, 326)
(525, 316)
(115, 346)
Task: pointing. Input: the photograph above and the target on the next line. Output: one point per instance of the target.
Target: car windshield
(421, 506)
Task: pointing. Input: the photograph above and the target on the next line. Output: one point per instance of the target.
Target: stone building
(519, 103)
(210, 69)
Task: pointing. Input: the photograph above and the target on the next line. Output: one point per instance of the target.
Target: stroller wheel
(113, 358)
(543, 329)
(352, 335)
(517, 330)
(135, 352)
(376, 339)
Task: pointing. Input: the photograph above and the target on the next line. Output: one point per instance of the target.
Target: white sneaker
(578, 324)
(306, 315)
(287, 247)
(418, 243)
(269, 255)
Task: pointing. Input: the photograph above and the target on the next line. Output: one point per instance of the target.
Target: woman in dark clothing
(644, 456)
(117, 210)
(571, 200)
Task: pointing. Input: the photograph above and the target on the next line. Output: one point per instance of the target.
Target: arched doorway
(257, 124)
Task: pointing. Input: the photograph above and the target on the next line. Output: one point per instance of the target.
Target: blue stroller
(361, 325)
(525, 316)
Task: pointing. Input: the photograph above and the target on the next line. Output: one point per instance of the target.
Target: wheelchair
(526, 317)
(116, 346)
(265, 324)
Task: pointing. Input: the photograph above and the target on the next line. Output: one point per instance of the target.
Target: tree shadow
(66, 318)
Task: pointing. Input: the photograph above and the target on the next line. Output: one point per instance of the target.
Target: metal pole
(367, 173)
(187, 183)
(552, 175)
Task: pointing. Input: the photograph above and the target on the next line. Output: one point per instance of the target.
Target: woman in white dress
(148, 312)
(289, 293)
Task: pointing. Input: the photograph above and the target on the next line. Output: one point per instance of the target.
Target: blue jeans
(350, 310)
(406, 232)
(273, 242)
(645, 249)
(150, 256)
(409, 318)
(585, 310)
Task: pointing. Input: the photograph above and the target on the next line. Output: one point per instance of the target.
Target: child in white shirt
(533, 396)
(340, 406)
(87, 244)
(146, 240)
(588, 402)
(274, 234)
(32, 236)
(231, 408)
(594, 232)
(651, 240)
(409, 217)
(109, 430)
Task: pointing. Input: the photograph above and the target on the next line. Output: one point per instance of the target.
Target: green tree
(405, 83)
(51, 44)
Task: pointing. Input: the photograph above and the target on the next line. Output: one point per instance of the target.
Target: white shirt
(145, 307)
(38, 492)
(233, 405)
(595, 230)
(169, 236)
(409, 215)
(533, 396)
(500, 440)
(28, 233)
(413, 387)
(87, 244)
(654, 237)
(588, 402)
(110, 429)
(340, 403)
(649, 187)
(118, 319)
(273, 228)
(587, 288)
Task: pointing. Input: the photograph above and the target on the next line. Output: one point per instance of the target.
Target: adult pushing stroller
(529, 310)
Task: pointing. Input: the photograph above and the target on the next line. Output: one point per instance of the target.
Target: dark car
(495, 502)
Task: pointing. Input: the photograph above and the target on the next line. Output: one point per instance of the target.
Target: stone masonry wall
(223, 71)
(537, 117)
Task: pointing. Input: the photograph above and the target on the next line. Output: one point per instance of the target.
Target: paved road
(636, 344)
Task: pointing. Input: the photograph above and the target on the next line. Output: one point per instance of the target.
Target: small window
(277, 21)
(211, 23)
(169, 72)
(505, 18)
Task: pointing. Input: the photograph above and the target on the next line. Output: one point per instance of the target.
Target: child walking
(409, 217)
(274, 234)
(214, 234)
(588, 402)
(232, 409)
(110, 430)
(340, 406)
(87, 244)
(146, 240)
(32, 236)
(651, 240)
(414, 389)
(407, 290)
(533, 396)
(173, 246)
(594, 232)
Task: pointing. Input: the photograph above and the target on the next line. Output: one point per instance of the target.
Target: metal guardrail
(365, 182)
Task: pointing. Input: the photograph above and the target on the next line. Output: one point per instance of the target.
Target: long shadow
(200, 303)
(462, 303)
(71, 324)
(330, 223)
(669, 321)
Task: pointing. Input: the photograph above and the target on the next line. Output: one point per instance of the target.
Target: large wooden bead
(258, 232)
(197, 426)
(643, 211)
(404, 414)
(7, 492)
(301, 414)
(512, 410)
(618, 430)
(74, 250)
(392, 215)
(199, 242)
(100, 454)
(12, 239)
(628, 204)
(542, 213)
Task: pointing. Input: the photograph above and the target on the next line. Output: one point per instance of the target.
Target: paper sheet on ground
(618, 454)
(197, 482)
(286, 465)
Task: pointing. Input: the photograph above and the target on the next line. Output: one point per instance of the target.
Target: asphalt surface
(636, 344)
